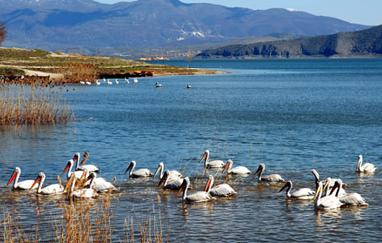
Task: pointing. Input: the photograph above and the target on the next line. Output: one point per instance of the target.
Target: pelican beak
(67, 167)
(203, 157)
(207, 186)
(257, 171)
(129, 168)
(36, 181)
(13, 177)
(156, 172)
(285, 186)
(162, 180)
(317, 193)
(182, 187)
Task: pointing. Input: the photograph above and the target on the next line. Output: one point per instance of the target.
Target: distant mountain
(96, 27)
(360, 43)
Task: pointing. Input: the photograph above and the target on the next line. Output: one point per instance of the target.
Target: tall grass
(83, 221)
(32, 105)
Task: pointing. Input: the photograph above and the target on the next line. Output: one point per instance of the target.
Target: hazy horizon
(348, 10)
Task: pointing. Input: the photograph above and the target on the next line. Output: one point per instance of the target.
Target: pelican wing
(240, 170)
(89, 168)
(84, 193)
(26, 185)
(353, 199)
(303, 193)
(215, 164)
(141, 173)
(53, 189)
(174, 183)
(101, 185)
(199, 197)
(368, 168)
(272, 178)
(330, 202)
(222, 190)
(174, 173)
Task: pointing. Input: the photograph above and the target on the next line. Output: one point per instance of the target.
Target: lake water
(292, 115)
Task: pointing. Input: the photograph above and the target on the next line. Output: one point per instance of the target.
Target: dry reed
(83, 221)
(30, 105)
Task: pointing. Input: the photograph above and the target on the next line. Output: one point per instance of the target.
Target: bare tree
(2, 33)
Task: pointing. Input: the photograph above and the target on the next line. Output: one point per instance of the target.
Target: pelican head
(130, 167)
(39, 178)
(260, 169)
(318, 191)
(85, 157)
(76, 156)
(209, 183)
(228, 165)
(288, 185)
(15, 173)
(159, 169)
(163, 180)
(205, 156)
(186, 184)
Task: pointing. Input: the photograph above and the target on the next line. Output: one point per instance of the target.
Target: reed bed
(32, 105)
(83, 221)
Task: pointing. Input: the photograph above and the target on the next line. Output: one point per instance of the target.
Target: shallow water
(293, 115)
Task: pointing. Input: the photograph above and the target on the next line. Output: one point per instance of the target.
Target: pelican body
(20, 185)
(81, 165)
(172, 173)
(170, 182)
(211, 164)
(238, 170)
(78, 174)
(348, 199)
(140, 173)
(100, 184)
(329, 202)
(300, 194)
(364, 167)
(84, 192)
(221, 190)
(200, 196)
(273, 178)
(48, 190)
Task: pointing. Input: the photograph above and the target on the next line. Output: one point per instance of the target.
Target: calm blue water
(293, 115)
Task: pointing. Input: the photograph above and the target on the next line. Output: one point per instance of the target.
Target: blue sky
(358, 11)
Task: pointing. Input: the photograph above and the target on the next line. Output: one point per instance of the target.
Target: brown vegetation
(31, 105)
(83, 221)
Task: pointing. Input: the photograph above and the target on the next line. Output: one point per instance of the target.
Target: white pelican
(83, 192)
(364, 168)
(22, 185)
(98, 83)
(301, 194)
(172, 173)
(116, 81)
(211, 164)
(104, 80)
(269, 178)
(78, 174)
(100, 184)
(188, 86)
(135, 80)
(200, 196)
(170, 182)
(137, 173)
(81, 165)
(109, 82)
(127, 81)
(238, 170)
(158, 85)
(326, 202)
(48, 190)
(221, 190)
(82, 82)
(88, 83)
(349, 199)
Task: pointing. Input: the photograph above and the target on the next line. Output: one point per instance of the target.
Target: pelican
(301, 194)
(78, 174)
(82, 82)
(172, 173)
(88, 83)
(170, 182)
(188, 86)
(22, 185)
(326, 202)
(269, 178)
(364, 168)
(211, 164)
(348, 199)
(48, 190)
(158, 85)
(100, 184)
(221, 190)
(83, 192)
(137, 173)
(135, 80)
(239, 170)
(81, 165)
(116, 81)
(98, 83)
(200, 196)
(109, 82)
(127, 81)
